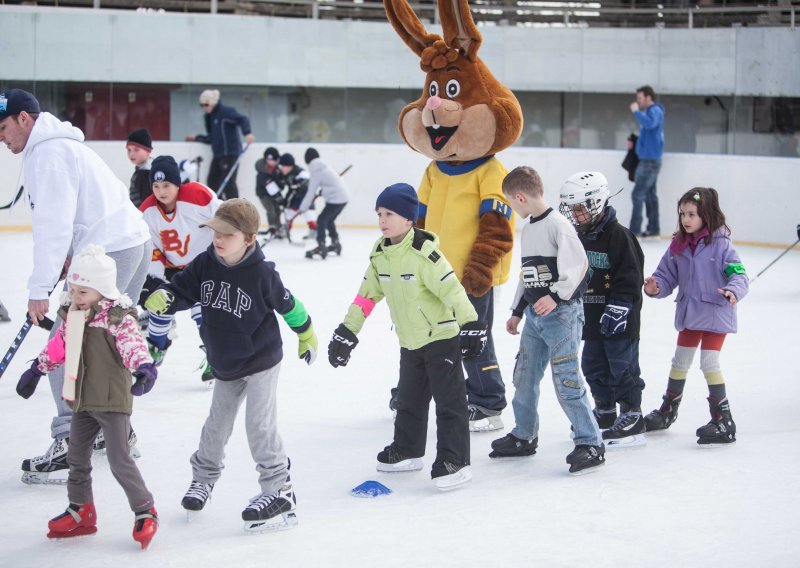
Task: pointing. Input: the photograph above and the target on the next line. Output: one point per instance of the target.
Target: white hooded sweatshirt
(75, 201)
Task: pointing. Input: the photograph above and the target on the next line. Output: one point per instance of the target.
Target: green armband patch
(297, 316)
(734, 268)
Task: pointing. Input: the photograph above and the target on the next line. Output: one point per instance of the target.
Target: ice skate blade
(454, 480)
(495, 455)
(412, 464)
(192, 515)
(80, 531)
(42, 478)
(488, 424)
(587, 470)
(635, 442)
(713, 445)
(280, 523)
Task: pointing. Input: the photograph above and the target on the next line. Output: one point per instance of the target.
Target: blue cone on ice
(370, 489)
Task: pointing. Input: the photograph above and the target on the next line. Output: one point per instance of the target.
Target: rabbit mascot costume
(463, 118)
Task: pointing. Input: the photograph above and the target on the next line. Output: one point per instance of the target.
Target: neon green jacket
(426, 301)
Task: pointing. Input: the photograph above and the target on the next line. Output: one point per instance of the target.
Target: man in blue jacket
(649, 148)
(222, 132)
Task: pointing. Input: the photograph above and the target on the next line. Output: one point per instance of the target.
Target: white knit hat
(209, 97)
(93, 268)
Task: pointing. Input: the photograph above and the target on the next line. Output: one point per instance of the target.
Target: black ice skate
(721, 430)
(99, 446)
(509, 446)
(36, 471)
(275, 512)
(196, 498)
(663, 417)
(392, 461)
(336, 247)
(605, 413)
(586, 459)
(627, 431)
(318, 251)
(448, 476)
(483, 420)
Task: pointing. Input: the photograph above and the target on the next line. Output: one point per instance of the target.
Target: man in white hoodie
(75, 201)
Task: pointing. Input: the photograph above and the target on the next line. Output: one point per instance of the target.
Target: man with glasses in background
(222, 132)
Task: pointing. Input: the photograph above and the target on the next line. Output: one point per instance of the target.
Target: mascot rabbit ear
(464, 112)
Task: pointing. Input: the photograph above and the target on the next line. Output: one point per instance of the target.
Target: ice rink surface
(668, 504)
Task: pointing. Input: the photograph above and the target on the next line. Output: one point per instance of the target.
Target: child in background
(296, 180)
(240, 292)
(327, 182)
(612, 306)
(269, 184)
(111, 347)
(174, 214)
(139, 147)
(702, 263)
(549, 293)
(428, 305)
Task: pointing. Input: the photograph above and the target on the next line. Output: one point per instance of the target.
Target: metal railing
(586, 13)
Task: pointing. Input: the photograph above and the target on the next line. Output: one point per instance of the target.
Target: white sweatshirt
(75, 201)
(326, 181)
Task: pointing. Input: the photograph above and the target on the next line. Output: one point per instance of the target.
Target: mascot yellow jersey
(463, 193)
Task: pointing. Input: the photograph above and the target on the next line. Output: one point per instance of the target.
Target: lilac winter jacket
(697, 277)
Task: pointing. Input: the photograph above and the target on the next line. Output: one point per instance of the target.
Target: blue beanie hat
(165, 168)
(400, 198)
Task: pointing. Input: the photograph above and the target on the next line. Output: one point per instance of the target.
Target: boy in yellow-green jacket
(436, 325)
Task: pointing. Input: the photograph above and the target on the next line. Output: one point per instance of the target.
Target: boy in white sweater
(553, 279)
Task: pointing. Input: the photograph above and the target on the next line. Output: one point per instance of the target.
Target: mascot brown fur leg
(495, 239)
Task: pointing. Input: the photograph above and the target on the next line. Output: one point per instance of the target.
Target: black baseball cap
(14, 101)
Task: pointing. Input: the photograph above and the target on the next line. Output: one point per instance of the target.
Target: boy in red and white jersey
(174, 214)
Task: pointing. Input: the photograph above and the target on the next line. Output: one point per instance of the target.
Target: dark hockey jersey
(615, 273)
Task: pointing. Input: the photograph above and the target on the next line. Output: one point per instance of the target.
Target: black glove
(29, 379)
(615, 318)
(151, 284)
(342, 344)
(474, 336)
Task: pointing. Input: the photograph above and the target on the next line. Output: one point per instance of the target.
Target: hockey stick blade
(14, 201)
(46, 323)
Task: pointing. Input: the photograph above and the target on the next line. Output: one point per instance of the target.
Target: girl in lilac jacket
(702, 263)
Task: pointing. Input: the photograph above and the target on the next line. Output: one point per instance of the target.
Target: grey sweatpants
(85, 426)
(260, 421)
(132, 265)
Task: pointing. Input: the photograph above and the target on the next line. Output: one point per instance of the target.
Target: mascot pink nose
(433, 103)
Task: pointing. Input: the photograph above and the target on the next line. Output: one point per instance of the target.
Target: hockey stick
(794, 244)
(344, 171)
(46, 323)
(232, 171)
(14, 201)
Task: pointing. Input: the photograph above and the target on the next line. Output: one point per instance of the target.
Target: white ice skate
(38, 470)
(410, 464)
(99, 446)
(454, 480)
(483, 420)
(626, 433)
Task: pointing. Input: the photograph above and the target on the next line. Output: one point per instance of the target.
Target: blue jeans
(553, 339)
(644, 193)
(485, 385)
(611, 367)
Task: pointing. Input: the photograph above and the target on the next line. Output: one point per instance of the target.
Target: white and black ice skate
(392, 461)
(627, 431)
(36, 471)
(483, 420)
(196, 498)
(585, 459)
(269, 513)
(509, 446)
(448, 476)
(99, 445)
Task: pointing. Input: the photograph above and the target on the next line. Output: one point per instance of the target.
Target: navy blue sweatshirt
(238, 304)
(222, 128)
